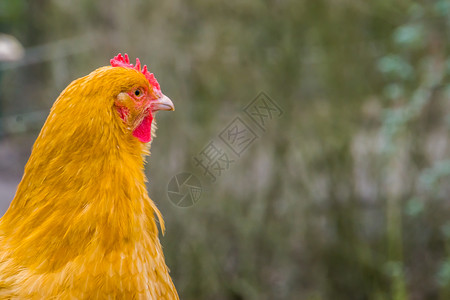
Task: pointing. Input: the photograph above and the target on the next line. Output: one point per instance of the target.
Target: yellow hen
(81, 225)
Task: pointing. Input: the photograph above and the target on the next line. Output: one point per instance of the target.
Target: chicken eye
(137, 92)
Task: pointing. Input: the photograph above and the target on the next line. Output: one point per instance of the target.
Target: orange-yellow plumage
(81, 224)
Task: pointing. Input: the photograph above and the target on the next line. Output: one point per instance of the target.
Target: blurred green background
(344, 196)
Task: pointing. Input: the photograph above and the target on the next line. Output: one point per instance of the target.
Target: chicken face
(137, 105)
(136, 108)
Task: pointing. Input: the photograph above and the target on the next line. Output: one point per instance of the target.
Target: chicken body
(81, 225)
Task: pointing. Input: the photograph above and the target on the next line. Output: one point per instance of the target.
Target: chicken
(81, 225)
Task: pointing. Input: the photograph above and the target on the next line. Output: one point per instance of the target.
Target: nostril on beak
(162, 103)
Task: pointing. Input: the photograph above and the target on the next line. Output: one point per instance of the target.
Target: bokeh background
(344, 196)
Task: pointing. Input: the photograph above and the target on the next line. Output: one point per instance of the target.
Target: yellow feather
(81, 224)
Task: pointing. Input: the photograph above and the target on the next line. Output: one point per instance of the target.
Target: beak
(162, 103)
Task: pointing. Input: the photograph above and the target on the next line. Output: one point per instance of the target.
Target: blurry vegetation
(344, 197)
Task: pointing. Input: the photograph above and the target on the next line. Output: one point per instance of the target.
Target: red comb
(124, 62)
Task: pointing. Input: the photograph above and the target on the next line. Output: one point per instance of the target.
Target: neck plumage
(80, 186)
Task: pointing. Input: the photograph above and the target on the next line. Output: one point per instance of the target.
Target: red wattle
(144, 131)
